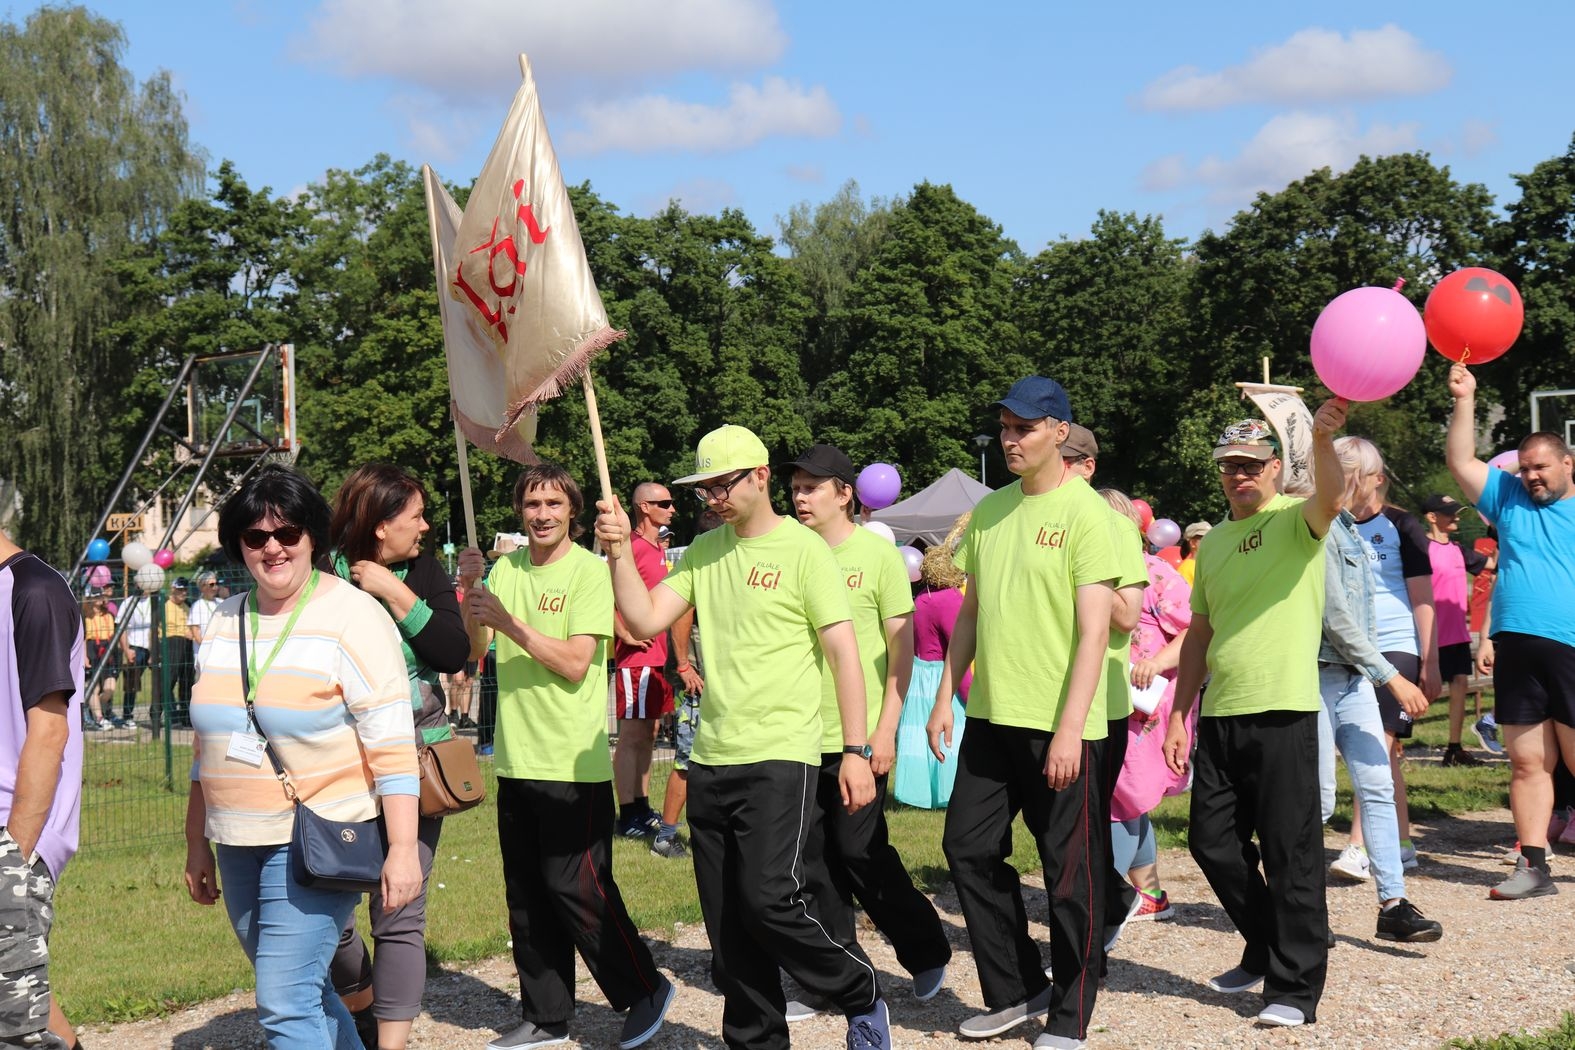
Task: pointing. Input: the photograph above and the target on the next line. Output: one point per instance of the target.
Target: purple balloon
(1368, 343)
(914, 559)
(1164, 533)
(1509, 462)
(879, 485)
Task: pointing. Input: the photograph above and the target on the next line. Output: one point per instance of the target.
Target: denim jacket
(1348, 635)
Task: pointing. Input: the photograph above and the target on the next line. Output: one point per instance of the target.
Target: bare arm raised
(1329, 477)
(647, 613)
(1460, 443)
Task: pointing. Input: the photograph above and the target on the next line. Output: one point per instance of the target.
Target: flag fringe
(505, 441)
(565, 375)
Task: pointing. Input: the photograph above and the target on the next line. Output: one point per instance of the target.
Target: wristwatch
(864, 751)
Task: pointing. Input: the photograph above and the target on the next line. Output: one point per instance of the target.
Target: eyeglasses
(665, 504)
(1251, 468)
(287, 535)
(707, 493)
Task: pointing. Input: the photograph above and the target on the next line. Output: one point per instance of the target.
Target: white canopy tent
(929, 513)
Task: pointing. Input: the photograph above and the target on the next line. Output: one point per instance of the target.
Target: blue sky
(1039, 114)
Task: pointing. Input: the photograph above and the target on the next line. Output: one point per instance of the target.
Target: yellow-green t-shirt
(877, 581)
(760, 602)
(1028, 555)
(1260, 582)
(550, 728)
(1116, 700)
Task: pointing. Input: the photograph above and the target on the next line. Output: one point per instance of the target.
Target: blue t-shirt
(1535, 592)
(1398, 549)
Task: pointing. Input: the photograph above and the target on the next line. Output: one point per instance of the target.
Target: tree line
(884, 326)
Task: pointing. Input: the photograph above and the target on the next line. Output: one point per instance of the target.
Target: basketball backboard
(266, 419)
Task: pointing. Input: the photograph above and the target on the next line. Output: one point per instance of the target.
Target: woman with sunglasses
(378, 521)
(326, 685)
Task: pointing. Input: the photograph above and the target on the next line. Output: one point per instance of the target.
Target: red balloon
(1146, 512)
(1170, 555)
(1473, 315)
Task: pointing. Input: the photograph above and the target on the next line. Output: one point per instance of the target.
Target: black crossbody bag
(324, 854)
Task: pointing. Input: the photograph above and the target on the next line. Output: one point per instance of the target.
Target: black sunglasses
(287, 535)
(665, 504)
(707, 493)
(1251, 468)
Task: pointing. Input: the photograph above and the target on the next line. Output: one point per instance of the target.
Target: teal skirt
(919, 780)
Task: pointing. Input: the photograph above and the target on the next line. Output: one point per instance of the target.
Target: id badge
(247, 747)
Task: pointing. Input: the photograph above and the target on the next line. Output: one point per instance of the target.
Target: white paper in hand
(1146, 700)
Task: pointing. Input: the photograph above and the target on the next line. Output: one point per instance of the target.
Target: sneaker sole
(1540, 891)
(1162, 915)
(1275, 1022)
(1425, 937)
(550, 1041)
(661, 1016)
(1350, 876)
(1235, 989)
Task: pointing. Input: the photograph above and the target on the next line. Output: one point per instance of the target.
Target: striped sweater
(335, 704)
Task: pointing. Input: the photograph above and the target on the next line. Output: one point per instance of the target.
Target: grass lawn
(128, 942)
(1560, 1038)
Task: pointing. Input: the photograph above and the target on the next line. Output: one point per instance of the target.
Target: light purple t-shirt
(41, 652)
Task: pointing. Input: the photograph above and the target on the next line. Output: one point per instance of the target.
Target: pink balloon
(1368, 343)
(1164, 533)
(878, 485)
(164, 558)
(914, 560)
(100, 576)
(1509, 462)
(1145, 511)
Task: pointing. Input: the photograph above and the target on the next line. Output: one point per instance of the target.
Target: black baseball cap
(1035, 397)
(825, 461)
(1441, 504)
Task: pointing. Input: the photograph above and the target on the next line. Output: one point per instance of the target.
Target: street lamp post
(983, 441)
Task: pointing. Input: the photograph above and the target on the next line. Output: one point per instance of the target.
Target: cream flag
(1283, 408)
(519, 267)
(478, 394)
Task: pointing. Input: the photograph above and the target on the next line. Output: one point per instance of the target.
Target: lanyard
(255, 674)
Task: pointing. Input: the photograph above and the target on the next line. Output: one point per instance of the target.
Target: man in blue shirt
(1532, 649)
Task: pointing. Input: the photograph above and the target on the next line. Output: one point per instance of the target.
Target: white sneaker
(1352, 864)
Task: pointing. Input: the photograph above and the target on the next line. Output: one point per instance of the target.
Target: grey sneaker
(1486, 730)
(983, 1026)
(1525, 881)
(928, 983)
(671, 848)
(798, 1010)
(530, 1034)
(646, 1016)
(1235, 980)
(1046, 1041)
(1278, 1015)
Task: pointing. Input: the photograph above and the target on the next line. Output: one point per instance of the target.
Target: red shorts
(641, 692)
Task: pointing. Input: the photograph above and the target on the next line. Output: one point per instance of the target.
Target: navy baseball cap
(1036, 397)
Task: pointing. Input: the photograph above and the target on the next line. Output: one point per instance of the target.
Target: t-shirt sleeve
(1475, 560)
(825, 598)
(591, 602)
(1129, 554)
(1094, 557)
(681, 580)
(1414, 559)
(1496, 493)
(895, 596)
(47, 626)
(966, 555)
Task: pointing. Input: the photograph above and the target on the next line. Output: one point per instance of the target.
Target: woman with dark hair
(325, 683)
(375, 542)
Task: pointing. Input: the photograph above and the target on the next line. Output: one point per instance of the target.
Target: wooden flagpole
(597, 444)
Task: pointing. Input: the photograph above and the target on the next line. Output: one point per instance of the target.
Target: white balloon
(135, 555)
(881, 529)
(150, 578)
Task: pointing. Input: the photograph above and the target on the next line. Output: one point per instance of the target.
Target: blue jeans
(1132, 844)
(289, 932)
(1350, 721)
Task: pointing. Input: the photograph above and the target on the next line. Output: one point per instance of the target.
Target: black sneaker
(1455, 755)
(634, 827)
(366, 1027)
(1404, 923)
(646, 1016)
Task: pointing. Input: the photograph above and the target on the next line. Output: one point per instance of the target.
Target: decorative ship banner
(1283, 409)
(517, 268)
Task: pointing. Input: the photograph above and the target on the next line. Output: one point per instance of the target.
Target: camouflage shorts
(688, 711)
(26, 910)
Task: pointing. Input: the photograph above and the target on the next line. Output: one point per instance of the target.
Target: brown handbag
(451, 780)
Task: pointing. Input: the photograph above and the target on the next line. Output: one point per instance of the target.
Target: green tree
(930, 340)
(1535, 248)
(92, 163)
(1102, 315)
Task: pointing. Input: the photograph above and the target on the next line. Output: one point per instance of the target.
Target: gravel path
(1500, 967)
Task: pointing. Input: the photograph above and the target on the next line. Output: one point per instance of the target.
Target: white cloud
(457, 50)
(1477, 136)
(657, 122)
(1314, 65)
(805, 172)
(1287, 148)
